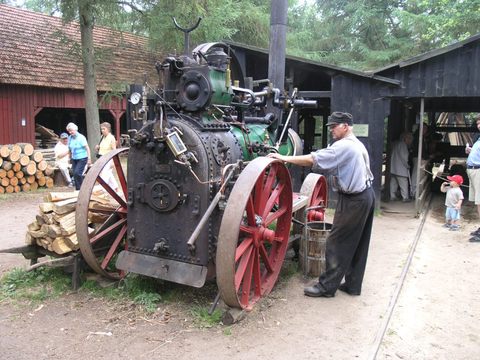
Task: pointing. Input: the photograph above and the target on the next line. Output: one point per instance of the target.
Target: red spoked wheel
(315, 188)
(101, 214)
(254, 233)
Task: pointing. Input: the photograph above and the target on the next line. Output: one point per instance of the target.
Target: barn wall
(452, 74)
(361, 98)
(18, 106)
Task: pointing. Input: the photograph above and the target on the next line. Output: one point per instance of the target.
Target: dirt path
(436, 317)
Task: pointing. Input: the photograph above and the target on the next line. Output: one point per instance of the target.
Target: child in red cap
(453, 201)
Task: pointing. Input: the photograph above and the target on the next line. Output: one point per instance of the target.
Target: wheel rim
(318, 198)
(100, 247)
(254, 233)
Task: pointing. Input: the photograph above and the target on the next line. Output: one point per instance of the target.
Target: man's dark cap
(339, 117)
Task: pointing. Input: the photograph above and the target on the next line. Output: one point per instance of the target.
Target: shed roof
(428, 55)
(41, 50)
(333, 69)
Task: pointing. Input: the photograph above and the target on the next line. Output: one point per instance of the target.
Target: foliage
(143, 291)
(34, 286)
(363, 34)
(203, 319)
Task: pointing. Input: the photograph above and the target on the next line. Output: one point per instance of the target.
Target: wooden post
(419, 159)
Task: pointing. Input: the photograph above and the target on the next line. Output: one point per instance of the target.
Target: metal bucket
(313, 244)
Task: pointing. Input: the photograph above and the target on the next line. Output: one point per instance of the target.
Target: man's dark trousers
(347, 244)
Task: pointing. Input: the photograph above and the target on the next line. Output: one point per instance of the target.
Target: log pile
(45, 138)
(54, 226)
(23, 169)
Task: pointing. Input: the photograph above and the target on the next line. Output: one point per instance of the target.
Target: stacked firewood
(45, 138)
(23, 169)
(54, 227)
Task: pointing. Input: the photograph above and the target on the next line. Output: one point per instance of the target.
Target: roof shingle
(40, 50)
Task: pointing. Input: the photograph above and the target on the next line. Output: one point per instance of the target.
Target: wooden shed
(41, 77)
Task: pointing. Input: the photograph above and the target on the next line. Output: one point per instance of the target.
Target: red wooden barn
(41, 76)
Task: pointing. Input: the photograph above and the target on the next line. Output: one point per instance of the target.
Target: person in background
(473, 172)
(62, 158)
(348, 162)
(453, 201)
(79, 154)
(107, 144)
(399, 167)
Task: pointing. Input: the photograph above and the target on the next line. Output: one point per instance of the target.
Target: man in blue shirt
(79, 153)
(473, 172)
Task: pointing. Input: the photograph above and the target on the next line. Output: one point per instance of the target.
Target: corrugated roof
(40, 50)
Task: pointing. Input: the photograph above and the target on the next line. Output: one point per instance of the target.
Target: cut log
(49, 182)
(64, 219)
(41, 181)
(17, 189)
(24, 160)
(7, 165)
(34, 186)
(22, 181)
(31, 168)
(14, 156)
(25, 186)
(31, 179)
(33, 226)
(42, 165)
(60, 247)
(5, 181)
(15, 148)
(37, 234)
(29, 240)
(65, 206)
(46, 207)
(49, 171)
(37, 156)
(4, 151)
(14, 181)
(3, 173)
(2, 190)
(19, 174)
(52, 231)
(16, 167)
(59, 196)
(10, 174)
(48, 218)
(72, 241)
(39, 174)
(1, 162)
(9, 189)
(40, 220)
(27, 148)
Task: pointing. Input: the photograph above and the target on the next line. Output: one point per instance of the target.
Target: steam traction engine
(197, 198)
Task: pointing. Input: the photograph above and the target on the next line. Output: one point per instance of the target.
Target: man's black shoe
(316, 291)
(343, 287)
(475, 238)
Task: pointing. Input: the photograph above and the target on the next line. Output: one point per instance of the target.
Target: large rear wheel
(254, 233)
(101, 214)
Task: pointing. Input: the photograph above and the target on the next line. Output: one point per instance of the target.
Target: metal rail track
(396, 294)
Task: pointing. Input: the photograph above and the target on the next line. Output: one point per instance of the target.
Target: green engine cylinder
(258, 141)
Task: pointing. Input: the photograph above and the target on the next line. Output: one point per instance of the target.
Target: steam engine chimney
(278, 40)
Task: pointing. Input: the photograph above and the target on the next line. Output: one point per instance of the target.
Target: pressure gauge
(135, 98)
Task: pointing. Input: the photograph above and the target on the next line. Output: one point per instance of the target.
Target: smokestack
(278, 43)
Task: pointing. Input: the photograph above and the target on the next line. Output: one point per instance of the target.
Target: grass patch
(141, 290)
(202, 319)
(34, 286)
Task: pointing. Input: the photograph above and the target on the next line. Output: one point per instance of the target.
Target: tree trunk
(86, 10)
